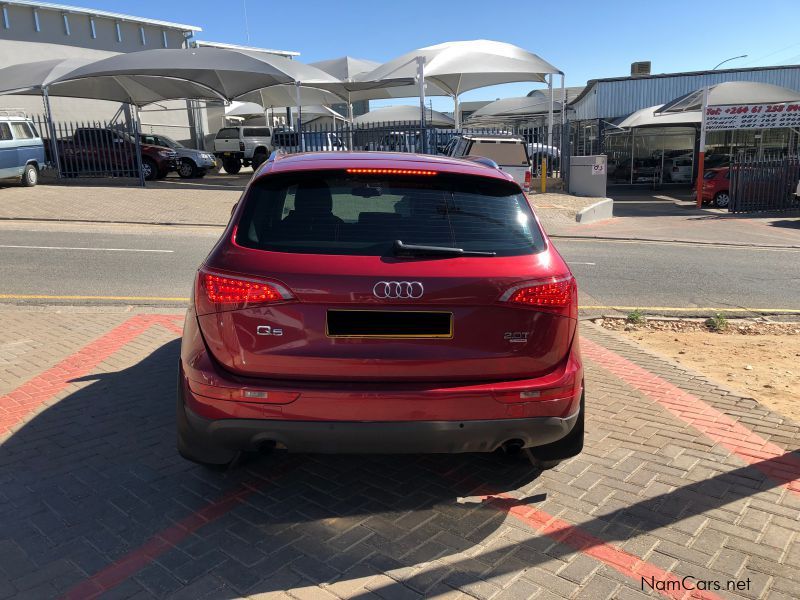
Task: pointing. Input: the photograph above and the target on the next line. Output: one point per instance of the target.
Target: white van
(22, 153)
(510, 152)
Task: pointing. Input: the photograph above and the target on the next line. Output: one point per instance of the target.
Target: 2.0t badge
(398, 289)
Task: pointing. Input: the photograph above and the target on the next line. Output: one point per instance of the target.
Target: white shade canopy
(649, 117)
(350, 70)
(286, 95)
(55, 75)
(403, 113)
(230, 73)
(733, 92)
(457, 67)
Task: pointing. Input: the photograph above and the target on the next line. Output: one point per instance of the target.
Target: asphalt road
(155, 265)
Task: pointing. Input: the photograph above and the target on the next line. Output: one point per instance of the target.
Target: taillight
(527, 180)
(558, 294)
(222, 291)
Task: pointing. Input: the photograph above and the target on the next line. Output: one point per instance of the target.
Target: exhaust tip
(512, 447)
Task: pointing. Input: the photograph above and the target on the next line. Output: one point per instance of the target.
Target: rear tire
(550, 455)
(30, 176)
(232, 165)
(191, 447)
(258, 160)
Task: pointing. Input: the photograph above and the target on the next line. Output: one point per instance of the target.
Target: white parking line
(92, 249)
(572, 262)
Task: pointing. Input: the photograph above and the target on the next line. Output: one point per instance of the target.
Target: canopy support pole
(421, 83)
(299, 117)
(138, 141)
(456, 113)
(549, 133)
(701, 151)
(56, 159)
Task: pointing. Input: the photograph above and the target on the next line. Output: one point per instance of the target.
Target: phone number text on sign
(753, 116)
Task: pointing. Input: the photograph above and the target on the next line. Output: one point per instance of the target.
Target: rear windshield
(504, 153)
(332, 212)
(228, 132)
(255, 132)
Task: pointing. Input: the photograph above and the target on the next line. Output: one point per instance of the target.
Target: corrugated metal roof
(621, 96)
(101, 13)
(287, 53)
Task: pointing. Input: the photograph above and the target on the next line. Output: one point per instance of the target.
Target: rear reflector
(390, 172)
(243, 394)
(527, 181)
(219, 290)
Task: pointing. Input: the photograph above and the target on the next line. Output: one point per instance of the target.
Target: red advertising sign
(753, 116)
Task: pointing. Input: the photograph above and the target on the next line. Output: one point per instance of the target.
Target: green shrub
(717, 323)
(635, 317)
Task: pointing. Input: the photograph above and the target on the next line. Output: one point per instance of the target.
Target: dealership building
(637, 154)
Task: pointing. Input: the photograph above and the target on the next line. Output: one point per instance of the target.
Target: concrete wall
(20, 42)
(52, 30)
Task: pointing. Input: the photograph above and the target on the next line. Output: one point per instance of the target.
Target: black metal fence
(763, 183)
(409, 136)
(97, 149)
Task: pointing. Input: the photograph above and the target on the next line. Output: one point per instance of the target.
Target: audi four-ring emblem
(398, 289)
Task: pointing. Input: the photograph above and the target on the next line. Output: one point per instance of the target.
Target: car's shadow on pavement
(95, 476)
(93, 489)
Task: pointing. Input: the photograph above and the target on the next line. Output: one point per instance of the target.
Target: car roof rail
(487, 162)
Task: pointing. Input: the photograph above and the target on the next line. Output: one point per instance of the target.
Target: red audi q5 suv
(381, 302)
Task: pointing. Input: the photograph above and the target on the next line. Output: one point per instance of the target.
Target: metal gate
(97, 149)
(409, 136)
(763, 183)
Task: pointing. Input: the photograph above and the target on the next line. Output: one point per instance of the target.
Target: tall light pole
(728, 60)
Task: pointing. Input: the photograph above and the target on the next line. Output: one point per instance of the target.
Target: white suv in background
(237, 146)
(509, 152)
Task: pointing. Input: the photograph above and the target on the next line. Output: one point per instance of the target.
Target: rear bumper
(395, 437)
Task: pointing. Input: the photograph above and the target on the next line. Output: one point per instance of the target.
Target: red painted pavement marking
(133, 562)
(31, 396)
(573, 536)
(769, 458)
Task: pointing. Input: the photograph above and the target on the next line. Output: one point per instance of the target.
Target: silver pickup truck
(237, 146)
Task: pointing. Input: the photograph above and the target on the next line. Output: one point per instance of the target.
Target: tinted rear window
(331, 212)
(255, 132)
(504, 153)
(228, 132)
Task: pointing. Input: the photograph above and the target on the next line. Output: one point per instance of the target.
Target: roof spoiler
(486, 162)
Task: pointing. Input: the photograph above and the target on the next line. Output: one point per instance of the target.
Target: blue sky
(585, 39)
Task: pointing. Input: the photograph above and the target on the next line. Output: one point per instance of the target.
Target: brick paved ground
(94, 500)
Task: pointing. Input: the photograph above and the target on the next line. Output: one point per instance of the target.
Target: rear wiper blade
(401, 249)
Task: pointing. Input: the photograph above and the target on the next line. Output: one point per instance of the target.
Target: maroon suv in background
(100, 151)
(381, 302)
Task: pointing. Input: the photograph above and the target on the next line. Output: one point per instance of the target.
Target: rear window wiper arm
(401, 249)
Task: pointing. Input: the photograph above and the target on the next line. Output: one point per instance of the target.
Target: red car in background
(381, 302)
(716, 186)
